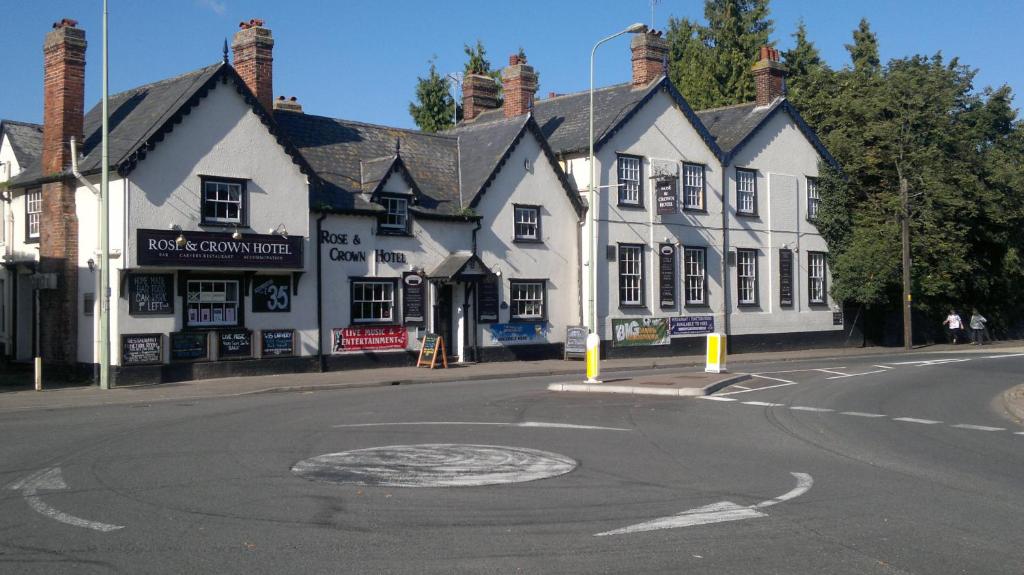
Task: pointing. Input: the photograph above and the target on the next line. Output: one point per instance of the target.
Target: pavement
(691, 381)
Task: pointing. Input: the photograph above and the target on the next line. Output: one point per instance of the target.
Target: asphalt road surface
(866, 465)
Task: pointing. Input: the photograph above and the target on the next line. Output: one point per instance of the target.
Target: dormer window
(396, 217)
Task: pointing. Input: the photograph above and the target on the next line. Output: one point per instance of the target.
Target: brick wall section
(519, 82)
(479, 93)
(63, 108)
(253, 48)
(769, 76)
(649, 56)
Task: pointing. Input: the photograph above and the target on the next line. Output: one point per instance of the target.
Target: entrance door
(443, 315)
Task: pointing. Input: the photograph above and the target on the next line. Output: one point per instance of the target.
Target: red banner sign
(362, 338)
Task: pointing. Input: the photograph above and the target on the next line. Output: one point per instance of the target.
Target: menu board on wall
(575, 341)
(667, 275)
(142, 349)
(271, 294)
(150, 294)
(234, 343)
(785, 277)
(487, 301)
(189, 346)
(277, 342)
(413, 298)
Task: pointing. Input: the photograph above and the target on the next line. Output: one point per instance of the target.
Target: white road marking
(761, 403)
(51, 479)
(757, 375)
(883, 366)
(518, 424)
(1018, 432)
(802, 370)
(914, 420)
(929, 362)
(1002, 356)
(805, 408)
(832, 372)
(978, 427)
(861, 414)
(856, 374)
(758, 388)
(740, 386)
(716, 398)
(716, 512)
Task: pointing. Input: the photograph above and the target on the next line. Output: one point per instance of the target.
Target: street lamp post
(592, 188)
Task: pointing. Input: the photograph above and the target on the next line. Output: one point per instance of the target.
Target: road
(868, 465)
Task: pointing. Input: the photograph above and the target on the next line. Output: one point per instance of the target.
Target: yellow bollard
(715, 362)
(593, 358)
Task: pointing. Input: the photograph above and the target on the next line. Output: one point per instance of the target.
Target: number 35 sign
(271, 293)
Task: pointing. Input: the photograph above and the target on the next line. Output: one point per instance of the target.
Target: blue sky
(359, 59)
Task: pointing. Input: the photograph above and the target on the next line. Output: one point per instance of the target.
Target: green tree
(803, 62)
(433, 110)
(864, 50)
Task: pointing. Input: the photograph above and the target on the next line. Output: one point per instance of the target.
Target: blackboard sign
(488, 301)
(414, 289)
(234, 343)
(189, 346)
(837, 318)
(667, 275)
(271, 294)
(665, 196)
(142, 349)
(150, 294)
(785, 277)
(277, 342)
(432, 348)
(575, 342)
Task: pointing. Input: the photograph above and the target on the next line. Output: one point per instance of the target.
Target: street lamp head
(637, 28)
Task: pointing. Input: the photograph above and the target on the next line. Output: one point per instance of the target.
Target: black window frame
(753, 174)
(640, 181)
(686, 291)
(813, 217)
(824, 279)
(29, 238)
(395, 303)
(622, 247)
(757, 278)
(539, 239)
(384, 229)
(512, 318)
(703, 187)
(185, 276)
(243, 219)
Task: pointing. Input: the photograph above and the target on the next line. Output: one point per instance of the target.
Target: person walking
(955, 325)
(978, 327)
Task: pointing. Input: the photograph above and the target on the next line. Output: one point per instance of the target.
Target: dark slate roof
(339, 151)
(453, 264)
(26, 141)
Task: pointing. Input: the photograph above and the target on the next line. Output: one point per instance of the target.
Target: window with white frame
(373, 301)
(396, 218)
(631, 275)
(630, 183)
(527, 223)
(212, 303)
(527, 299)
(812, 198)
(746, 192)
(693, 187)
(694, 275)
(33, 213)
(816, 293)
(223, 201)
(746, 276)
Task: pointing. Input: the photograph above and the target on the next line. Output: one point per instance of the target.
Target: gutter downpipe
(97, 339)
(465, 304)
(319, 297)
(725, 253)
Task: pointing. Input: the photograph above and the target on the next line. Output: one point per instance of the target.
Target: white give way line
(716, 512)
(51, 479)
(519, 424)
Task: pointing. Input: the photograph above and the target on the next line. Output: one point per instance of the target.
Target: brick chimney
(63, 110)
(288, 104)
(479, 93)
(649, 56)
(519, 82)
(769, 76)
(253, 48)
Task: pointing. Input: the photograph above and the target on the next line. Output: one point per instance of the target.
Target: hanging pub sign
(369, 338)
(665, 196)
(150, 294)
(277, 342)
(785, 277)
(271, 294)
(142, 349)
(208, 249)
(236, 343)
(189, 346)
(667, 275)
(487, 300)
(414, 289)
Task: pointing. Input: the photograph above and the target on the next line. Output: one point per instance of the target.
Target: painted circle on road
(435, 465)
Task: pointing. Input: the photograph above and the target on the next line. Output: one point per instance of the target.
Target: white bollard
(715, 362)
(39, 373)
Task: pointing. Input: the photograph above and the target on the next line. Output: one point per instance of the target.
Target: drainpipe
(98, 341)
(319, 298)
(725, 252)
(465, 305)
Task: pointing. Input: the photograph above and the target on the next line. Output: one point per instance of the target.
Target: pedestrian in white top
(978, 327)
(955, 325)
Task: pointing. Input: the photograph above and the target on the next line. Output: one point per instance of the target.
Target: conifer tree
(434, 108)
